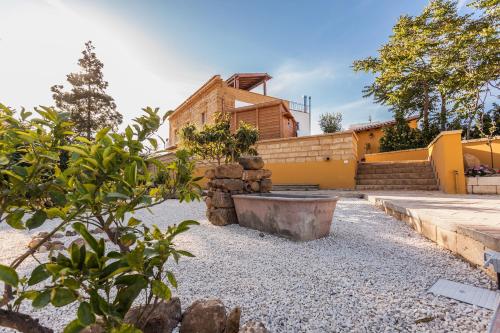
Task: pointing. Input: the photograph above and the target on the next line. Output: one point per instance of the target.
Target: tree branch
(22, 322)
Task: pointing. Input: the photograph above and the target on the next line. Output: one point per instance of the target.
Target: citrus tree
(102, 183)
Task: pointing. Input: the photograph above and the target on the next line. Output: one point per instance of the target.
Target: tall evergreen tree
(91, 108)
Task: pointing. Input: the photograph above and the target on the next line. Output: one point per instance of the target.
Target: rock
(251, 162)
(471, 161)
(222, 216)
(204, 316)
(70, 233)
(253, 327)
(254, 186)
(42, 234)
(210, 173)
(233, 320)
(34, 242)
(208, 202)
(57, 235)
(210, 194)
(233, 171)
(266, 173)
(55, 246)
(252, 175)
(164, 318)
(266, 185)
(232, 185)
(222, 200)
(78, 241)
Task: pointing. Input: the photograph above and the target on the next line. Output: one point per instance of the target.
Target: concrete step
(295, 187)
(401, 175)
(398, 187)
(389, 181)
(402, 169)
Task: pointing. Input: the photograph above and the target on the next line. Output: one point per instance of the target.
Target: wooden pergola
(248, 81)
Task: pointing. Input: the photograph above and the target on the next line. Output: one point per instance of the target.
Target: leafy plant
(401, 136)
(106, 181)
(216, 142)
(330, 122)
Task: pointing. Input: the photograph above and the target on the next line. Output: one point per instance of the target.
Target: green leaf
(132, 222)
(14, 219)
(75, 150)
(82, 230)
(62, 296)
(126, 328)
(9, 275)
(101, 133)
(128, 239)
(38, 275)
(36, 219)
(126, 296)
(42, 299)
(4, 160)
(85, 315)
(161, 290)
(171, 279)
(74, 327)
(116, 195)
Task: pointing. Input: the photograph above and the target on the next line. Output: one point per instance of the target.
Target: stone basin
(298, 217)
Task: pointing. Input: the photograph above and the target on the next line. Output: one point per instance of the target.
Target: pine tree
(90, 107)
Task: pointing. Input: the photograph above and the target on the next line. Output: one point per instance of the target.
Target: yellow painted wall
(399, 155)
(481, 150)
(329, 160)
(369, 140)
(327, 174)
(446, 156)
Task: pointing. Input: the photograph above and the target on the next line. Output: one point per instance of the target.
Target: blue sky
(158, 52)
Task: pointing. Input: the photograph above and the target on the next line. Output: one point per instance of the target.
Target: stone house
(274, 117)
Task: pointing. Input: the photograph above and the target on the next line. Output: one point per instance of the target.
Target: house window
(203, 118)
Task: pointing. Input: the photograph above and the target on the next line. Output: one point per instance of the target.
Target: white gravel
(370, 275)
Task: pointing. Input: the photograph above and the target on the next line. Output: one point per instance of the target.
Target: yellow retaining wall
(480, 149)
(399, 155)
(328, 160)
(445, 153)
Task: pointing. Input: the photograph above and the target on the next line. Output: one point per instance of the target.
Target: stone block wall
(483, 185)
(225, 180)
(325, 147)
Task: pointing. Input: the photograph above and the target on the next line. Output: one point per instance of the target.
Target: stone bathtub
(298, 217)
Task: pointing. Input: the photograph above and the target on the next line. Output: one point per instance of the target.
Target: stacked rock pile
(247, 176)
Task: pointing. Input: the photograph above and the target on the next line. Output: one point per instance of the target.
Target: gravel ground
(370, 275)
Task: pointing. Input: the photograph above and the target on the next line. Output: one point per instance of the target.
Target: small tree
(88, 104)
(215, 142)
(106, 181)
(400, 136)
(330, 122)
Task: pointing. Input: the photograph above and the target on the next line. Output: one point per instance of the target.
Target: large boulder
(230, 185)
(233, 320)
(222, 200)
(233, 171)
(252, 175)
(471, 161)
(222, 216)
(210, 173)
(266, 185)
(267, 173)
(164, 317)
(253, 327)
(251, 162)
(204, 316)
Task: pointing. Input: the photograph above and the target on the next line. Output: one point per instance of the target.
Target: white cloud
(293, 78)
(40, 43)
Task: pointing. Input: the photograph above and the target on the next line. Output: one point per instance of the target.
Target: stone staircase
(407, 175)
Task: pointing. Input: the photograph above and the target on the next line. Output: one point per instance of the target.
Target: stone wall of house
(335, 146)
(227, 179)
